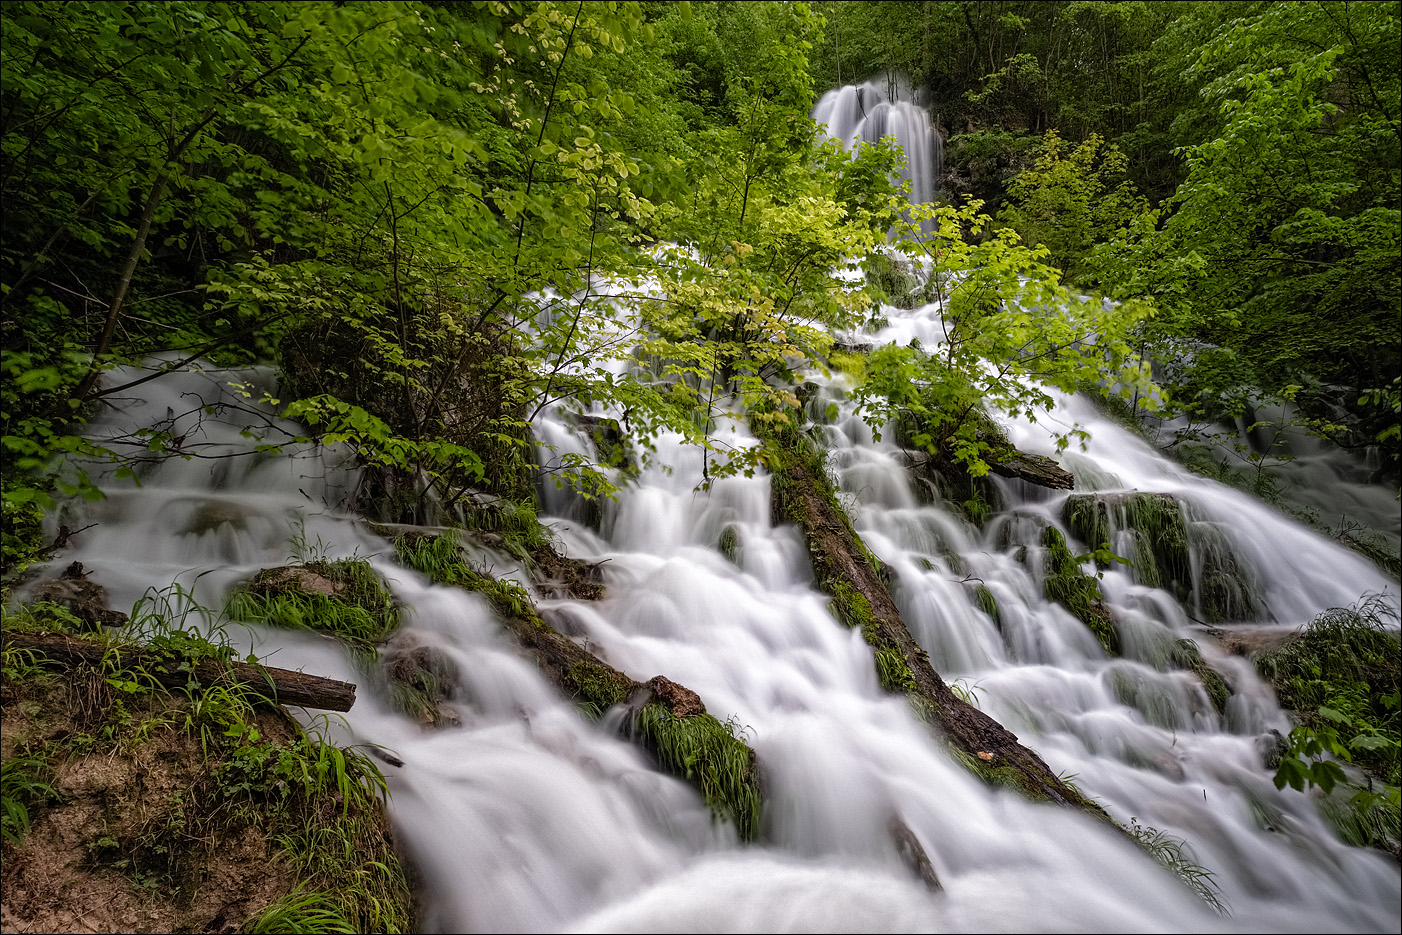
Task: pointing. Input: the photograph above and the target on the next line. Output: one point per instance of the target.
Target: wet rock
(420, 676)
(680, 700)
(209, 515)
(81, 597)
(913, 853)
(1272, 748)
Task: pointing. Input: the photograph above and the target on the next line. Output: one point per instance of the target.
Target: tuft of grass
(712, 754)
(362, 612)
(20, 789)
(1176, 856)
(300, 913)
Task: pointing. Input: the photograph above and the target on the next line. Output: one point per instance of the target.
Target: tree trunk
(846, 570)
(280, 686)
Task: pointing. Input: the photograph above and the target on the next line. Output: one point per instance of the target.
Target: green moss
(712, 755)
(1186, 655)
(1157, 522)
(731, 543)
(1079, 593)
(598, 688)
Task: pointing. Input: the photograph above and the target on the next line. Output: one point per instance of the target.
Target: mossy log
(846, 570)
(280, 686)
(1035, 469)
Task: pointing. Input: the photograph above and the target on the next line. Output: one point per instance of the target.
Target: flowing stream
(526, 816)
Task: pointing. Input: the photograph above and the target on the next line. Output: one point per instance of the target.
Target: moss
(712, 755)
(1155, 519)
(1079, 593)
(597, 687)
(1223, 592)
(730, 543)
(1186, 655)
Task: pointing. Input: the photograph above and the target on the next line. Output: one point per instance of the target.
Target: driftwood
(281, 686)
(844, 569)
(1035, 469)
(1004, 461)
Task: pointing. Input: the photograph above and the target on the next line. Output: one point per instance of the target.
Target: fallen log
(1035, 469)
(279, 686)
(843, 567)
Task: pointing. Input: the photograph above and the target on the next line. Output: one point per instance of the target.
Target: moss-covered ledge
(849, 573)
(668, 719)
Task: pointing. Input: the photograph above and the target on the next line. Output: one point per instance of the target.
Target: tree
(1012, 334)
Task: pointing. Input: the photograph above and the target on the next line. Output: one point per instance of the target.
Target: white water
(529, 817)
(870, 112)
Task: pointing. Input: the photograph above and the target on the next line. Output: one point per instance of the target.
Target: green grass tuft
(712, 754)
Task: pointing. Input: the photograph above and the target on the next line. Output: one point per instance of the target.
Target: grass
(300, 913)
(713, 755)
(237, 768)
(21, 788)
(361, 612)
(1175, 855)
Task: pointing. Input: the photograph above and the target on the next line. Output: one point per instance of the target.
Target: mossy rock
(713, 756)
(344, 598)
(1156, 522)
(1067, 585)
(731, 543)
(1186, 655)
(597, 687)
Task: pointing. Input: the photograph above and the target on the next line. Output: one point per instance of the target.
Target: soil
(137, 838)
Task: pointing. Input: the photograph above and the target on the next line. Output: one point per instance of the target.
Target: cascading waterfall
(870, 112)
(525, 816)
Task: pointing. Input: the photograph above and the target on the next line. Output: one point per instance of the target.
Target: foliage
(1012, 334)
(1341, 673)
(1072, 199)
(1274, 264)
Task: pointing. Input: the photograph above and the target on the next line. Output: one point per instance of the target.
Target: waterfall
(525, 816)
(867, 113)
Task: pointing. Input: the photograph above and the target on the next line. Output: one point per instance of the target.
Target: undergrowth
(1340, 679)
(237, 766)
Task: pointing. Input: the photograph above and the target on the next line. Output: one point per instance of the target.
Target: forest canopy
(438, 218)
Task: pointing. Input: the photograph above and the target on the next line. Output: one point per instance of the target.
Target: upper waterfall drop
(879, 108)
